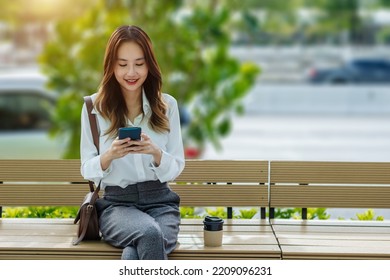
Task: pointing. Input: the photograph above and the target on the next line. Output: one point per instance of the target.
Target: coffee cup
(213, 231)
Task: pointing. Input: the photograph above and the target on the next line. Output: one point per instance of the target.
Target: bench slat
(42, 194)
(40, 171)
(306, 172)
(239, 171)
(330, 196)
(191, 195)
(336, 253)
(336, 243)
(222, 195)
(331, 230)
(194, 171)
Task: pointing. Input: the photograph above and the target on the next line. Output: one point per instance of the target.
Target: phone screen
(134, 133)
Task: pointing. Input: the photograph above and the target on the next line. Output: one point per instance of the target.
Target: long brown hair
(110, 102)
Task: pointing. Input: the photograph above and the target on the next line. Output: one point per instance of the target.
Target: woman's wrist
(105, 160)
(157, 155)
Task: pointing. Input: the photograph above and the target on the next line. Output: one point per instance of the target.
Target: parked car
(354, 71)
(25, 118)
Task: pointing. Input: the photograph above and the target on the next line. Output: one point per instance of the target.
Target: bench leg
(262, 213)
(272, 213)
(304, 213)
(230, 212)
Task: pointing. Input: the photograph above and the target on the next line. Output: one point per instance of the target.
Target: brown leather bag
(87, 215)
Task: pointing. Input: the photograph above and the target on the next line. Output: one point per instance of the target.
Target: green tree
(337, 17)
(266, 21)
(192, 49)
(384, 3)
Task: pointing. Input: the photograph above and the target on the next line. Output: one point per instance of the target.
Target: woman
(138, 211)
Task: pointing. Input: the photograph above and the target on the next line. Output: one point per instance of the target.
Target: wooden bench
(206, 183)
(202, 184)
(310, 184)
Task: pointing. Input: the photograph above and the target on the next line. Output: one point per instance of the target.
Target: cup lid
(213, 223)
(211, 219)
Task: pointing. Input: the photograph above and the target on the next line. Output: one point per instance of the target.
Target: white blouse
(133, 168)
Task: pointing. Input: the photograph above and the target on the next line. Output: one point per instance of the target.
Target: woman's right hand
(119, 148)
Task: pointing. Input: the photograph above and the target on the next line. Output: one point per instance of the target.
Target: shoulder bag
(87, 215)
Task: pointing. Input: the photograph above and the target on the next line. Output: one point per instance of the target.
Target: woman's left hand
(146, 146)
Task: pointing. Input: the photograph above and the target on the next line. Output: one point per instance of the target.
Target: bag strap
(94, 130)
(95, 195)
(92, 121)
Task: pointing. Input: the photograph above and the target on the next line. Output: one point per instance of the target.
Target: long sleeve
(90, 159)
(172, 161)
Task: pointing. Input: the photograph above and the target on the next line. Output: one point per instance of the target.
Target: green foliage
(385, 3)
(217, 212)
(192, 50)
(320, 214)
(188, 213)
(312, 213)
(368, 215)
(40, 212)
(247, 213)
(296, 213)
(336, 17)
(222, 213)
(284, 213)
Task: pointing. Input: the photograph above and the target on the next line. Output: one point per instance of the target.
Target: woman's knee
(152, 232)
(129, 253)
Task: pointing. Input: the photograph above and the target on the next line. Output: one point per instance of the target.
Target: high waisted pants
(143, 219)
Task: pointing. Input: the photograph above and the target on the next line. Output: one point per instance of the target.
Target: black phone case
(134, 133)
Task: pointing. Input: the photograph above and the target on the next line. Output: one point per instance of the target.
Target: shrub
(40, 212)
(368, 215)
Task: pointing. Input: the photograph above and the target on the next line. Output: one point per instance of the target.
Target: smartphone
(134, 133)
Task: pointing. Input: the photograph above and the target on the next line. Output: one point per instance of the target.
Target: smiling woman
(134, 174)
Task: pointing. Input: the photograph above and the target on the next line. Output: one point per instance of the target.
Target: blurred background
(261, 79)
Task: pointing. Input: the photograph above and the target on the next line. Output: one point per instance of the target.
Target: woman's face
(130, 68)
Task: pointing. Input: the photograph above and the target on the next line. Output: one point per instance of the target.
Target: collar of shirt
(145, 105)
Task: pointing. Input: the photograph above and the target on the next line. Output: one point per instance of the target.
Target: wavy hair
(110, 102)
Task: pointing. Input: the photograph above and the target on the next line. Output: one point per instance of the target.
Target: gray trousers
(143, 219)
